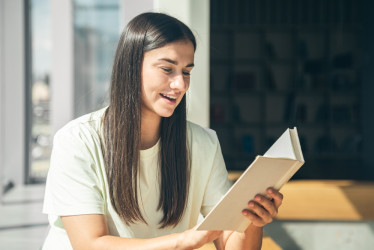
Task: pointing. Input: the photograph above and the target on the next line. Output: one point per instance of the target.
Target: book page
(296, 144)
(282, 148)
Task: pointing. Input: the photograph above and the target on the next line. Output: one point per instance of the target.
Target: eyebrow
(175, 62)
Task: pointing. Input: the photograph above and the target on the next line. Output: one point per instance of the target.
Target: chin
(166, 115)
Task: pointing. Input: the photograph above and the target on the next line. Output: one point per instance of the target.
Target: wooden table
(327, 200)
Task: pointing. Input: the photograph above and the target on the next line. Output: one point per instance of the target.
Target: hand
(192, 239)
(262, 210)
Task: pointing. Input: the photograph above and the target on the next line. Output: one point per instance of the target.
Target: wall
(130, 9)
(195, 13)
(62, 75)
(1, 96)
(12, 91)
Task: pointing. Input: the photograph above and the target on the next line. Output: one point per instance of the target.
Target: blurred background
(261, 66)
(278, 64)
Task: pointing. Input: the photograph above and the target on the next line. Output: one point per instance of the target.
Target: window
(38, 126)
(96, 26)
(96, 33)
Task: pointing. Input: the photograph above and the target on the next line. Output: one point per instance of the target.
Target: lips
(171, 98)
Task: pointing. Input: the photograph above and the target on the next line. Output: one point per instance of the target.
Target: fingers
(276, 196)
(266, 205)
(256, 220)
(264, 215)
(262, 210)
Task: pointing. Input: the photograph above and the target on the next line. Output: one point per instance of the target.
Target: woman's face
(165, 77)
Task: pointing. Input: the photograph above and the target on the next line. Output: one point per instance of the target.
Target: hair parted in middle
(122, 124)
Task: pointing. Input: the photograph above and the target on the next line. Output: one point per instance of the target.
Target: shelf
(291, 28)
(278, 61)
(220, 62)
(221, 125)
(342, 156)
(346, 126)
(247, 124)
(285, 124)
(247, 93)
(290, 123)
(275, 92)
(273, 71)
(240, 156)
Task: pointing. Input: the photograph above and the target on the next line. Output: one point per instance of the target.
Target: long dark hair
(122, 124)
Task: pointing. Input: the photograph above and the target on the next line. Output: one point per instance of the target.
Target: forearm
(91, 232)
(250, 239)
(171, 241)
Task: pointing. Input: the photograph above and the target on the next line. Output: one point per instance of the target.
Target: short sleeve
(73, 185)
(218, 183)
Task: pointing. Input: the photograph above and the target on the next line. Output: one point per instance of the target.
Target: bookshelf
(279, 64)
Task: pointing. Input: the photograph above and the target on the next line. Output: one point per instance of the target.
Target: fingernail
(270, 190)
(258, 198)
(245, 212)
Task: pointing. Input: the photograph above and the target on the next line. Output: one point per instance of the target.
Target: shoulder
(203, 138)
(86, 128)
(201, 134)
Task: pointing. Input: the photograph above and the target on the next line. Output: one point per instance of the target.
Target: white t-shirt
(77, 184)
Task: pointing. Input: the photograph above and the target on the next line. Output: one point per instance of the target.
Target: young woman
(136, 175)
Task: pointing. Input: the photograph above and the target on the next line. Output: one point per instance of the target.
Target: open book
(273, 169)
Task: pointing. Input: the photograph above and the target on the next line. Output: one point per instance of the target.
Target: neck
(150, 131)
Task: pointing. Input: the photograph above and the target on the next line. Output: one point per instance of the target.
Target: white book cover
(274, 169)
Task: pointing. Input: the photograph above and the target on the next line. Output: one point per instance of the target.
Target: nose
(179, 83)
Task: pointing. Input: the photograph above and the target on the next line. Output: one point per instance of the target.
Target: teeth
(170, 97)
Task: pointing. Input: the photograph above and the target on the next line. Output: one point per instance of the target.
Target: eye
(186, 73)
(167, 70)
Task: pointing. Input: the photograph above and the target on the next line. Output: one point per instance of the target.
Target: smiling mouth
(168, 97)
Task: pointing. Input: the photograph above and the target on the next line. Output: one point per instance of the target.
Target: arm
(260, 212)
(91, 232)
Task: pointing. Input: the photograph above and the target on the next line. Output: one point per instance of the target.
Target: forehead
(182, 51)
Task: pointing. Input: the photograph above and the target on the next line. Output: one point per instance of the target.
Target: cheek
(149, 84)
(155, 81)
